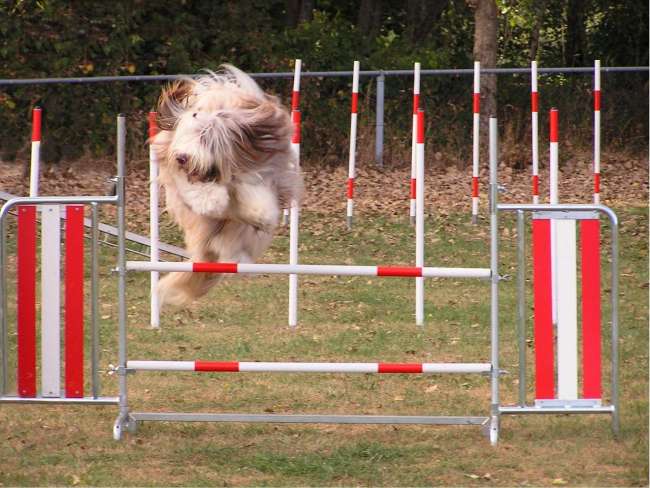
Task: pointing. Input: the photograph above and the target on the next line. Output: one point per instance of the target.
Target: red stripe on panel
(36, 124)
(420, 139)
(543, 323)
(350, 188)
(413, 188)
(597, 100)
(26, 290)
(416, 103)
(214, 267)
(295, 100)
(553, 120)
(477, 103)
(591, 341)
(216, 366)
(535, 185)
(355, 102)
(399, 368)
(596, 182)
(474, 186)
(74, 301)
(534, 102)
(399, 271)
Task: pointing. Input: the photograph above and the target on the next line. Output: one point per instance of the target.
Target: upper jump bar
(310, 269)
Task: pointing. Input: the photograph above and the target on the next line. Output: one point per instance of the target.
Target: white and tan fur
(228, 169)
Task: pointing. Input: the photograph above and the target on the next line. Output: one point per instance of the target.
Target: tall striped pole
(293, 226)
(597, 131)
(416, 106)
(419, 220)
(153, 220)
(353, 143)
(36, 152)
(553, 200)
(534, 107)
(475, 138)
(295, 105)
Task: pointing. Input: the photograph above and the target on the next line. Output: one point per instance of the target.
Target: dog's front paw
(257, 205)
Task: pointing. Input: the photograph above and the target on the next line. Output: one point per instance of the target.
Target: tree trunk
(420, 15)
(306, 11)
(538, 10)
(369, 20)
(575, 39)
(485, 50)
(299, 11)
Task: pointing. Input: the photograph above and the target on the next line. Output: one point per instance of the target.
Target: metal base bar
(556, 410)
(67, 401)
(307, 419)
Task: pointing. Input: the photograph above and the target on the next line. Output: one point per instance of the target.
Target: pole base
(474, 219)
(412, 219)
(349, 223)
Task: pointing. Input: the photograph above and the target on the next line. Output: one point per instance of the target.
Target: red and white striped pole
(153, 220)
(416, 105)
(597, 131)
(353, 143)
(294, 226)
(475, 139)
(419, 220)
(295, 105)
(36, 152)
(303, 367)
(553, 200)
(534, 108)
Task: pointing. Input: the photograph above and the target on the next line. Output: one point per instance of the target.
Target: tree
(485, 50)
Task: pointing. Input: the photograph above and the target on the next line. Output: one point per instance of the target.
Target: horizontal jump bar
(307, 419)
(309, 269)
(279, 367)
(66, 401)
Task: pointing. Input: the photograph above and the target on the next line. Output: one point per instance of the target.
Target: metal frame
(94, 201)
(127, 420)
(576, 212)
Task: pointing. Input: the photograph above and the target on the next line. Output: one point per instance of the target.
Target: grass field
(351, 319)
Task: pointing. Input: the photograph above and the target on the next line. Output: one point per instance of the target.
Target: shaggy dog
(228, 169)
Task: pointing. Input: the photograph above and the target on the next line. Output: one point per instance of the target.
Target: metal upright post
(379, 121)
(614, 305)
(521, 304)
(494, 287)
(3, 306)
(94, 292)
(121, 276)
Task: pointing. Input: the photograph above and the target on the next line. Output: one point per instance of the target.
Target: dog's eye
(194, 115)
(181, 160)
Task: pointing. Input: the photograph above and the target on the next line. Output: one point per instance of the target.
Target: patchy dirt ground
(624, 182)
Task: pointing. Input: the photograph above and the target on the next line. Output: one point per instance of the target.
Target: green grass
(340, 319)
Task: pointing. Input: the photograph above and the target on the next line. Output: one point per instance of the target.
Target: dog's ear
(173, 100)
(263, 129)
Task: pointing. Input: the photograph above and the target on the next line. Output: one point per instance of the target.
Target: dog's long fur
(228, 169)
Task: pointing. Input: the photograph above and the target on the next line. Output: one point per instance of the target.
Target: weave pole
(476, 106)
(419, 221)
(34, 172)
(295, 105)
(553, 200)
(153, 220)
(414, 141)
(534, 108)
(294, 229)
(353, 143)
(597, 131)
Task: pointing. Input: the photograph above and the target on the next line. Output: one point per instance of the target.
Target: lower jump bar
(309, 269)
(308, 419)
(278, 367)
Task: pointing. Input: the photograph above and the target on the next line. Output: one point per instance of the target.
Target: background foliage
(91, 38)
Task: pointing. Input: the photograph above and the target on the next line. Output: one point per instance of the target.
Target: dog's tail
(180, 289)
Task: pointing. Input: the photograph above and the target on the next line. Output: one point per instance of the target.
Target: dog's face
(219, 126)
